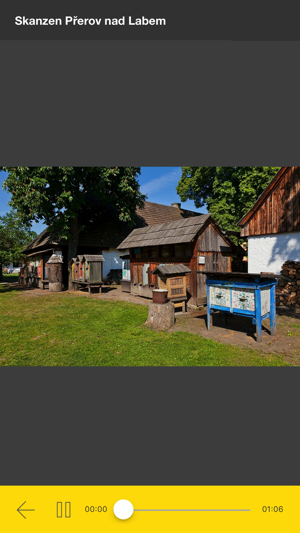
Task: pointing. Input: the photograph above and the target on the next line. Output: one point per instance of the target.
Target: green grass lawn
(69, 330)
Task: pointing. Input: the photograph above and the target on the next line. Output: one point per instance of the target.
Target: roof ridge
(165, 205)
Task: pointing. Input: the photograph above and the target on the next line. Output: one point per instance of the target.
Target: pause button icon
(59, 509)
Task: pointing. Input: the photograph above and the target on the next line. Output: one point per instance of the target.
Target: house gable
(277, 210)
(211, 239)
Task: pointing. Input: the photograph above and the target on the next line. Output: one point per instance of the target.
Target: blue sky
(159, 183)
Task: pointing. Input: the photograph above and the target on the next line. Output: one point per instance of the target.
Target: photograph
(150, 266)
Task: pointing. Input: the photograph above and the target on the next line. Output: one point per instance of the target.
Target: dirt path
(240, 331)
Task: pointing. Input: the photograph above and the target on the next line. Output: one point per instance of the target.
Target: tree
(14, 235)
(56, 195)
(228, 192)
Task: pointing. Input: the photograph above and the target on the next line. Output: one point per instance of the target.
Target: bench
(179, 302)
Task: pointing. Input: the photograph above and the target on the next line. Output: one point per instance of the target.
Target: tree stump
(161, 316)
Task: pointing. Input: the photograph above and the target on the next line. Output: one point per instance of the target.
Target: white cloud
(163, 182)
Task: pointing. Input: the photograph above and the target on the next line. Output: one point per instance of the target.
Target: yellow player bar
(154, 509)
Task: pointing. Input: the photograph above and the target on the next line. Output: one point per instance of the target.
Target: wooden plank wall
(280, 211)
(210, 241)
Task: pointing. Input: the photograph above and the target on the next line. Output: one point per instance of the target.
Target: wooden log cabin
(197, 243)
(102, 233)
(272, 225)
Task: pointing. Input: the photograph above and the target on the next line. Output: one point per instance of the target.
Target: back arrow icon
(24, 510)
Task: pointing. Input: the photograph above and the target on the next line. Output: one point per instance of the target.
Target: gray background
(149, 426)
(149, 103)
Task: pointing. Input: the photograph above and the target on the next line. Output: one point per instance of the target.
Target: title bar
(219, 20)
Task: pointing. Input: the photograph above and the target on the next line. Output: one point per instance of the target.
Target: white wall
(8, 265)
(112, 260)
(268, 252)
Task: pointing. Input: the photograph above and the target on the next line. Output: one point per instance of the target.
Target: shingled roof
(179, 231)
(104, 229)
(171, 269)
(46, 237)
(154, 213)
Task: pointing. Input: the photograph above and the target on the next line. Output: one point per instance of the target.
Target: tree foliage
(14, 235)
(228, 192)
(56, 195)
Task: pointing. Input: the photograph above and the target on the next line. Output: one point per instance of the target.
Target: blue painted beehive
(241, 294)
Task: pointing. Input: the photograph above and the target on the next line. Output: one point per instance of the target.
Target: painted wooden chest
(251, 295)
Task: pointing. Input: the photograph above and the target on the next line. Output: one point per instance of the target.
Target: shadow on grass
(10, 287)
(7, 278)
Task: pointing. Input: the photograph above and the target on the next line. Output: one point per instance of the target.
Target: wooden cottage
(272, 225)
(196, 243)
(103, 232)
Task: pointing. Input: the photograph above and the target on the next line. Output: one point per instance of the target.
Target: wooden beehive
(75, 269)
(92, 266)
(55, 265)
(81, 267)
(175, 285)
(173, 279)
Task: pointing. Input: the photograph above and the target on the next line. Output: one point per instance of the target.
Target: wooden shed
(272, 225)
(197, 243)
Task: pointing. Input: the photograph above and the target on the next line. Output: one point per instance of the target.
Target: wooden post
(209, 321)
(273, 310)
(258, 315)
